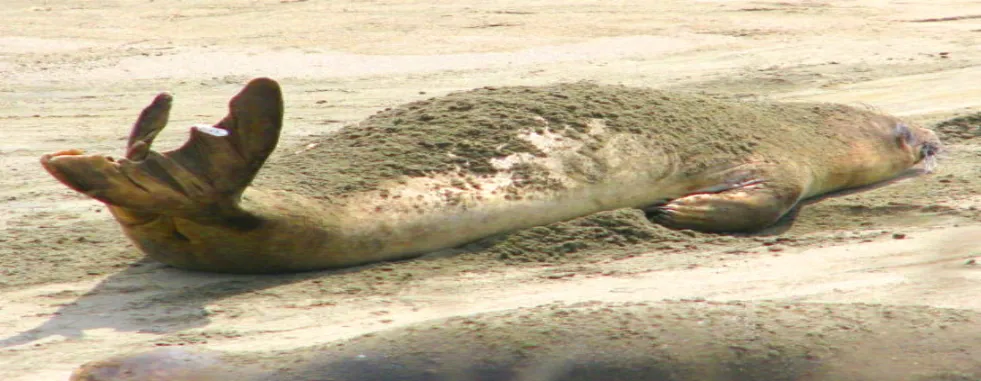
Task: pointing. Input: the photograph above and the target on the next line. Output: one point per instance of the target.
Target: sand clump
(620, 229)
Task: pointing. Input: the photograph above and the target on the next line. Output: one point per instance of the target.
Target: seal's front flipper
(742, 207)
(202, 180)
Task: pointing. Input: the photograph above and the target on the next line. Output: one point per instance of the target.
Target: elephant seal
(439, 173)
(662, 341)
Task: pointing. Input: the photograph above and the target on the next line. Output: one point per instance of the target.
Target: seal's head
(922, 144)
(159, 365)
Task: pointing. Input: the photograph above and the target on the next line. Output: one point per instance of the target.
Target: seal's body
(440, 173)
(676, 341)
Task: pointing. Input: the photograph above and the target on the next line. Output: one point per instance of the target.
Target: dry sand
(76, 74)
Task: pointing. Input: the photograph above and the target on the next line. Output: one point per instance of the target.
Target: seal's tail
(201, 180)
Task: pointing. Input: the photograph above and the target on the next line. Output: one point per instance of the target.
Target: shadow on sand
(152, 298)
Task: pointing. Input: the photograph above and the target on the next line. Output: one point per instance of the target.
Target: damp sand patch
(959, 129)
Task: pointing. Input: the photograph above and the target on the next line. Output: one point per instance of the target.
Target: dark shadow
(179, 297)
(395, 368)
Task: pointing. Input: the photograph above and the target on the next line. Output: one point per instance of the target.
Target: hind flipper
(202, 180)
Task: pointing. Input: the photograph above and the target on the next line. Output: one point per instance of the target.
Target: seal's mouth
(929, 152)
(930, 163)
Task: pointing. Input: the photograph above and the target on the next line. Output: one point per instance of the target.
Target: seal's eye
(903, 134)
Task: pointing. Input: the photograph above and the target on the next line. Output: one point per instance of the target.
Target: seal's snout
(158, 365)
